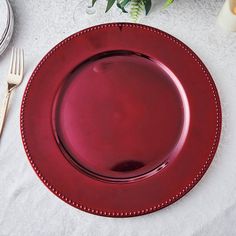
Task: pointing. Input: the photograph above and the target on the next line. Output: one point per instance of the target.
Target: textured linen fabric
(27, 207)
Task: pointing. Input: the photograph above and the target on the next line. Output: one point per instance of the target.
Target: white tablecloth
(27, 207)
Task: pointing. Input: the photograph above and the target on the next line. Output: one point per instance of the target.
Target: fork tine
(18, 61)
(14, 62)
(12, 59)
(22, 62)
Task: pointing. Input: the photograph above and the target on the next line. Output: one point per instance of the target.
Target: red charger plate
(120, 119)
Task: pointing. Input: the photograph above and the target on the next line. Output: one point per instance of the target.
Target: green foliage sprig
(137, 7)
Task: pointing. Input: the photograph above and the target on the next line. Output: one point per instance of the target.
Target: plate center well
(120, 116)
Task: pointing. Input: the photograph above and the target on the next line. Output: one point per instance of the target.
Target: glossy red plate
(120, 119)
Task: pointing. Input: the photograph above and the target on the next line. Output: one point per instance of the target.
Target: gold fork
(14, 79)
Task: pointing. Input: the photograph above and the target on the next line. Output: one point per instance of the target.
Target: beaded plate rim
(189, 186)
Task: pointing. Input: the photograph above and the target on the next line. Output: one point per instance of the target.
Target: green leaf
(93, 2)
(167, 3)
(109, 4)
(137, 8)
(148, 5)
(122, 4)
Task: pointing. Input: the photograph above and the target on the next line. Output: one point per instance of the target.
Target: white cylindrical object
(227, 16)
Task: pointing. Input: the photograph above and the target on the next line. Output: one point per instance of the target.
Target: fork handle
(3, 111)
